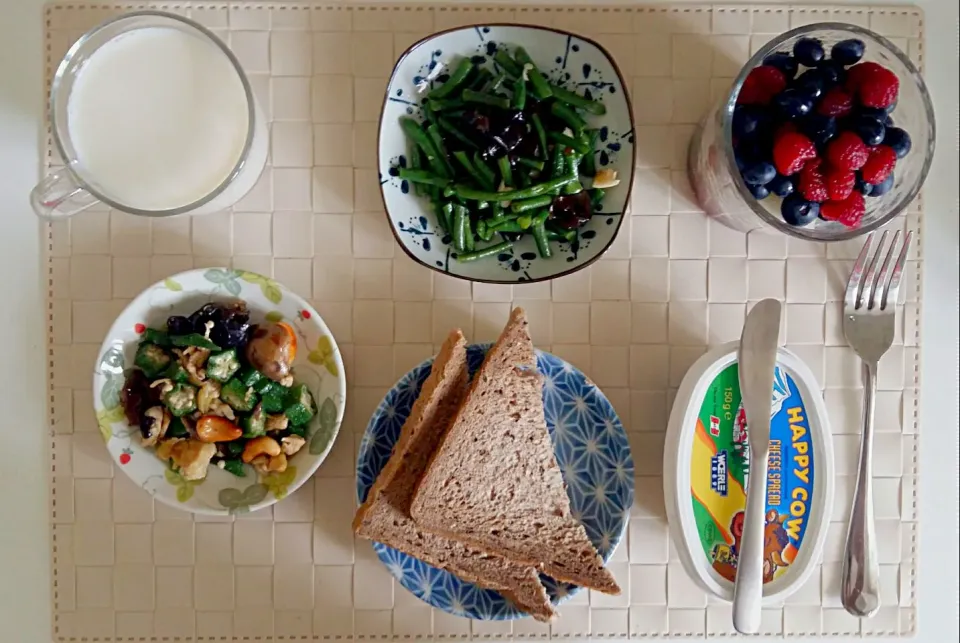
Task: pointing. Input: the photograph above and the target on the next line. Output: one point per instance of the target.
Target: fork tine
(880, 283)
(851, 295)
(870, 275)
(893, 288)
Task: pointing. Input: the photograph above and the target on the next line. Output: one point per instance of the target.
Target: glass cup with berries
(827, 134)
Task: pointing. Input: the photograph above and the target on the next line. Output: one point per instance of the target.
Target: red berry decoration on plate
(125, 456)
(839, 183)
(791, 151)
(880, 164)
(875, 85)
(139, 328)
(847, 152)
(811, 183)
(836, 102)
(761, 85)
(848, 212)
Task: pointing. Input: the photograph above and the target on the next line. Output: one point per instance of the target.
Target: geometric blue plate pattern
(591, 448)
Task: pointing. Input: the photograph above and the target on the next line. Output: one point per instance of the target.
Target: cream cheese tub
(706, 468)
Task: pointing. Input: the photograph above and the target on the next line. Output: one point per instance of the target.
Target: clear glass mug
(74, 188)
(721, 191)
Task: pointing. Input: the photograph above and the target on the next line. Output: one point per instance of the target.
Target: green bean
(481, 79)
(458, 228)
(531, 204)
(497, 211)
(460, 73)
(571, 163)
(429, 115)
(508, 226)
(525, 181)
(596, 196)
(589, 159)
(484, 232)
(465, 162)
(434, 133)
(472, 96)
(525, 221)
(467, 231)
(540, 237)
(567, 141)
(444, 105)
(568, 116)
(539, 86)
(417, 135)
(416, 162)
(506, 171)
(576, 100)
(541, 135)
(489, 251)
(468, 193)
(530, 163)
(507, 63)
(520, 94)
(494, 221)
(446, 212)
(556, 164)
(497, 82)
(489, 179)
(451, 129)
(423, 176)
(565, 236)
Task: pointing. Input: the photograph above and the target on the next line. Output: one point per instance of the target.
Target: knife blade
(757, 357)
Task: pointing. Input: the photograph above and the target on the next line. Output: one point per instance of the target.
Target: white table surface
(24, 464)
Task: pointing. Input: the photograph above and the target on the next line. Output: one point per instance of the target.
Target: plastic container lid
(706, 468)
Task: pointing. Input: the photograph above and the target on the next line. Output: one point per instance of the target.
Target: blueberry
(741, 164)
(781, 185)
(832, 71)
(899, 140)
(747, 119)
(848, 52)
(758, 191)
(808, 51)
(811, 82)
(883, 187)
(820, 128)
(759, 173)
(798, 211)
(782, 61)
(793, 104)
(862, 186)
(869, 129)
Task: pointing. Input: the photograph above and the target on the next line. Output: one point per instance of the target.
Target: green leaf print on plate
(327, 421)
(277, 483)
(172, 285)
(227, 279)
(184, 486)
(274, 316)
(106, 418)
(239, 501)
(323, 355)
(269, 287)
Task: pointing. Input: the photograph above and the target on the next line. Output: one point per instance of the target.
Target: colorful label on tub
(720, 471)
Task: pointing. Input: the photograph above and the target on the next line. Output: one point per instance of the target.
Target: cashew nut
(260, 446)
(165, 449)
(291, 444)
(278, 463)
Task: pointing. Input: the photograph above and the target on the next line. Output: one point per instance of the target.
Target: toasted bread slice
(385, 515)
(494, 482)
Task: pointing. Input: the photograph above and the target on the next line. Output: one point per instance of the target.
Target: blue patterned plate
(567, 59)
(591, 448)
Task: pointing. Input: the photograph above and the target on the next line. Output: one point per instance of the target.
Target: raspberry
(761, 85)
(878, 167)
(811, 184)
(786, 128)
(839, 183)
(791, 150)
(835, 102)
(875, 85)
(849, 212)
(847, 152)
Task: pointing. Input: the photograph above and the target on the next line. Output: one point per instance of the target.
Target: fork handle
(860, 575)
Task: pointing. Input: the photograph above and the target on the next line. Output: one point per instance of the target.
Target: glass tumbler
(722, 192)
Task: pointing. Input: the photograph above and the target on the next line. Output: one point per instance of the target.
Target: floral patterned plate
(317, 364)
(592, 451)
(567, 59)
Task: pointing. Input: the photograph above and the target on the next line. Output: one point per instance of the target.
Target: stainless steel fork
(869, 313)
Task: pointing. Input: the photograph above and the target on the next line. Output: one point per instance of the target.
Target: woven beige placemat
(674, 283)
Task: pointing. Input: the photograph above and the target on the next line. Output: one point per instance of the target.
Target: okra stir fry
(505, 153)
(212, 388)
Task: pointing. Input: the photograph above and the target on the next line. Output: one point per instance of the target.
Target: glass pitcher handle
(59, 195)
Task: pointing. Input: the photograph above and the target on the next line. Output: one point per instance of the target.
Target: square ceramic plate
(572, 61)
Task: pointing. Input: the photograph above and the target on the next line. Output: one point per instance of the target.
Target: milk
(158, 118)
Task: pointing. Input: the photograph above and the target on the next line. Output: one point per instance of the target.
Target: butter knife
(757, 357)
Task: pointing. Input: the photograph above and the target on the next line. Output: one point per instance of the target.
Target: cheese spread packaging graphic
(719, 471)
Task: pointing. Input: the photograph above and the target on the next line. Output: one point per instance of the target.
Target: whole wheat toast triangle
(494, 481)
(384, 516)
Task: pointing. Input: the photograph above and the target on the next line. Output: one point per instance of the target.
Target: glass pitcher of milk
(152, 115)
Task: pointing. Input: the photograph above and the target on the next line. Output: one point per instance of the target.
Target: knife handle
(748, 588)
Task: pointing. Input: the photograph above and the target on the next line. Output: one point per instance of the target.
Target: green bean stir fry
(505, 153)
